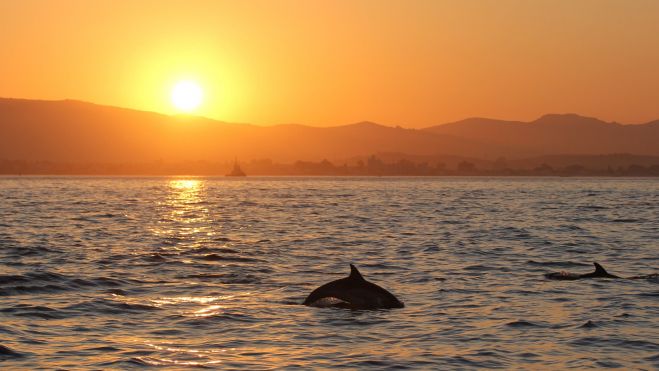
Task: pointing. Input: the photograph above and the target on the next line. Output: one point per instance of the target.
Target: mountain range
(74, 131)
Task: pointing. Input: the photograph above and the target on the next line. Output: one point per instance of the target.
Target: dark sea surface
(175, 273)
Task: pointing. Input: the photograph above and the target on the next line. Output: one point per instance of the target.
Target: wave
(202, 250)
(110, 307)
(129, 363)
(29, 277)
(592, 207)
(36, 311)
(22, 290)
(616, 342)
(105, 348)
(217, 257)
(522, 324)
(225, 278)
(8, 353)
(204, 322)
(156, 362)
(623, 220)
(479, 268)
(649, 294)
(50, 282)
(155, 258)
(25, 251)
(589, 324)
(654, 358)
(560, 264)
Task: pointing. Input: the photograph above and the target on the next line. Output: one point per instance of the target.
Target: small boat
(237, 171)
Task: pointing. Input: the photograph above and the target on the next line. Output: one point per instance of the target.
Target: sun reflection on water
(185, 350)
(185, 184)
(191, 299)
(184, 216)
(209, 311)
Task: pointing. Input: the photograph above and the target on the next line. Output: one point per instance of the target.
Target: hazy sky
(410, 63)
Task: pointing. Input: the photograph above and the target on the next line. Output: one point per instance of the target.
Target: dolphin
(352, 292)
(600, 272)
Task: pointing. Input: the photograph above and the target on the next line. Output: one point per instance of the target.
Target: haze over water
(181, 272)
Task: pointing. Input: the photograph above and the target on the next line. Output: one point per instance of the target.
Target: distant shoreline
(603, 166)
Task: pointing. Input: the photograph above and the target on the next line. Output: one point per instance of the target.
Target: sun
(187, 95)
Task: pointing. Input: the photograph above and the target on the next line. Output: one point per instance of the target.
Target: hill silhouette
(73, 131)
(559, 134)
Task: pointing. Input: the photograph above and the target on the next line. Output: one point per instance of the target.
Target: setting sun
(187, 95)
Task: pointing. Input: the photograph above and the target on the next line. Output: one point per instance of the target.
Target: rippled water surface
(102, 273)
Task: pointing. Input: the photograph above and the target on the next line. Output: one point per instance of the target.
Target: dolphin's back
(566, 276)
(377, 297)
(356, 292)
(599, 272)
(334, 289)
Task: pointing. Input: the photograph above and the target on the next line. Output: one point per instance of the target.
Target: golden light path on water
(186, 208)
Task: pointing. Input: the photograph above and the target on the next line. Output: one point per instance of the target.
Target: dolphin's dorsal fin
(354, 273)
(599, 269)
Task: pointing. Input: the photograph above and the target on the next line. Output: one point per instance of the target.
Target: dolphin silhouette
(600, 272)
(353, 292)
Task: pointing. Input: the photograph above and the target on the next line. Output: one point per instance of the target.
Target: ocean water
(176, 273)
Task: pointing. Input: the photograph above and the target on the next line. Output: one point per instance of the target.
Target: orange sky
(410, 63)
